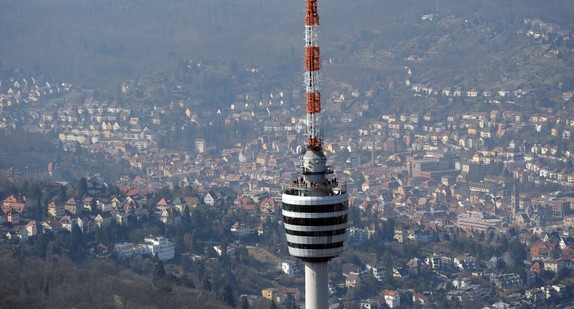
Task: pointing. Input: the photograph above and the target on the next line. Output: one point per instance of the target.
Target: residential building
(289, 267)
(420, 299)
(392, 298)
(103, 220)
(475, 220)
(240, 230)
(352, 280)
(161, 246)
(56, 209)
(506, 281)
(16, 203)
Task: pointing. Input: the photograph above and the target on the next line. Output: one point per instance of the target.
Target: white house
(289, 267)
(209, 198)
(161, 246)
(378, 272)
(392, 298)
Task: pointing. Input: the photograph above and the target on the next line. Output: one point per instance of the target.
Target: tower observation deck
(315, 211)
(315, 204)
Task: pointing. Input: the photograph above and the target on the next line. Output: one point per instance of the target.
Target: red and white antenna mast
(312, 66)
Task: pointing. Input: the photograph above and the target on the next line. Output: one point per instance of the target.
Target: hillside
(96, 283)
(469, 44)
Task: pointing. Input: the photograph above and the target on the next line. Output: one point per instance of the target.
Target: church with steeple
(515, 199)
(521, 216)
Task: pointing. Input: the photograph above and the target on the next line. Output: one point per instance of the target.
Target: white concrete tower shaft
(316, 285)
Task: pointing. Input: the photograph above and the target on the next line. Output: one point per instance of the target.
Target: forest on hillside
(102, 43)
(56, 282)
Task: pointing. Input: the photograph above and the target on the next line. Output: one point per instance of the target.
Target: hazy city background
(144, 144)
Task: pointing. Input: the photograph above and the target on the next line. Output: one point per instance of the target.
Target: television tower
(315, 205)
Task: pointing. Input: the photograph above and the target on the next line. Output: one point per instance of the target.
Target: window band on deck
(316, 208)
(315, 233)
(316, 221)
(316, 246)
